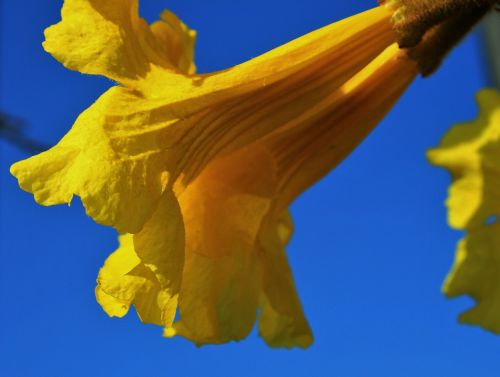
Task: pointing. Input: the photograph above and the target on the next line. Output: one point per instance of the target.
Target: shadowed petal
(282, 322)
(146, 270)
(223, 210)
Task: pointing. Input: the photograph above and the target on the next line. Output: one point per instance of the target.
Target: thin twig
(492, 38)
(12, 130)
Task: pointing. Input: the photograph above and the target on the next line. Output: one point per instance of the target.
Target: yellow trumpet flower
(196, 171)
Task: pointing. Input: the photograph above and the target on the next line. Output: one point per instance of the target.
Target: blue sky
(369, 254)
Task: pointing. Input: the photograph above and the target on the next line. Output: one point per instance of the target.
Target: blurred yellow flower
(197, 170)
(471, 153)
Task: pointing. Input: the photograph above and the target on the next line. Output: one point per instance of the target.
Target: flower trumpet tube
(196, 171)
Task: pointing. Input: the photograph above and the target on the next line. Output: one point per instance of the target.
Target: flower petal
(223, 209)
(117, 174)
(470, 152)
(170, 31)
(282, 322)
(109, 38)
(146, 269)
(476, 272)
(160, 247)
(123, 281)
(218, 300)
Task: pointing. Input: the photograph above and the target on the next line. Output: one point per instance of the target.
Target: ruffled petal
(109, 38)
(124, 281)
(118, 172)
(160, 247)
(178, 39)
(146, 270)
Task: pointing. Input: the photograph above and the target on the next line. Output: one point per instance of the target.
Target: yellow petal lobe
(124, 281)
(114, 170)
(109, 38)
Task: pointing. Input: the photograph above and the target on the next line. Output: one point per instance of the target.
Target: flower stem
(491, 32)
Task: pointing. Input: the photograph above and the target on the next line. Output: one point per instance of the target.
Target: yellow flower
(197, 171)
(471, 153)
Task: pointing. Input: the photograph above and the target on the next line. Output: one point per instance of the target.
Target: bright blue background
(370, 250)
